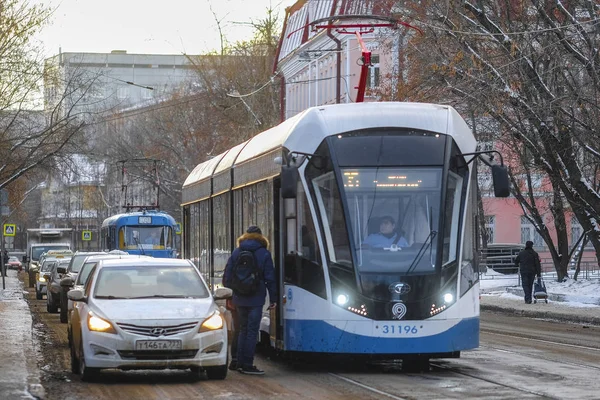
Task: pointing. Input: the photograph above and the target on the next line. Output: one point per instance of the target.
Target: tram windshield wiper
(422, 251)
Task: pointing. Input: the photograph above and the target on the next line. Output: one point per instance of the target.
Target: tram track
(544, 357)
(455, 370)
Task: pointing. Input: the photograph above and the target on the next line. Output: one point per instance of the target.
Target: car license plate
(158, 345)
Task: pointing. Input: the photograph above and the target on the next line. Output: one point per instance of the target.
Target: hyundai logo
(158, 331)
(399, 288)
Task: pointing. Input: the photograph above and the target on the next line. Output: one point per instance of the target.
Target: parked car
(14, 263)
(148, 313)
(69, 278)
(58, 270)
(40, 283)
(49, 255)
(82, 276)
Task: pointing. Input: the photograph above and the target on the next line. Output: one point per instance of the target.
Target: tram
(321, 185)
(146, 232)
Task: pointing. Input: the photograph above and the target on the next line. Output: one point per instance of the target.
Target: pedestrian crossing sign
(86, 235)
(10, 229)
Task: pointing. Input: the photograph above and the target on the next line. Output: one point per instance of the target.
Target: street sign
(86, 235)
(10, 229)
(178, 228)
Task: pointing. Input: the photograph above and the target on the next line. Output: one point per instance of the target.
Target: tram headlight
(448, 298)
(342, 299)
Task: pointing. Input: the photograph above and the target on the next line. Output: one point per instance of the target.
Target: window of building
(490, 228)
(576, 232)
(528, 232)
(122, 92)
(146, 93)
(373, 72)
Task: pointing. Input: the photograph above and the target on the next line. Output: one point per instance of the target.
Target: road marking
(372, 389)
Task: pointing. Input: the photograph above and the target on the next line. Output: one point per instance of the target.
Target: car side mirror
(61, 270)
(76, 295)
(223, 293)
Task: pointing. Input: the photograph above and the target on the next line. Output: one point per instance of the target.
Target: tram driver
(387, 235)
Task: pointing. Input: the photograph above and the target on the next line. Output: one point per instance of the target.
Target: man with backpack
(250, 273)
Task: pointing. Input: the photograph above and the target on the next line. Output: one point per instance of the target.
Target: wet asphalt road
(518, 358)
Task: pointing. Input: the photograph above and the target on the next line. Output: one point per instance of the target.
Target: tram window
(308, 246)
(304, 268)
(452, 217)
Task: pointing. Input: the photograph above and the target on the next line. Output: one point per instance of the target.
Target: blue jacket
(380, 241)
(258, 244)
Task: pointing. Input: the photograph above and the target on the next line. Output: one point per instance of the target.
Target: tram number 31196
(399, 329)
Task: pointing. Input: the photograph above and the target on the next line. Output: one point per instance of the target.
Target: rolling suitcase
(539, 291)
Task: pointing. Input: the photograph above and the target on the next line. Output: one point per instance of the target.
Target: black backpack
(246, 274)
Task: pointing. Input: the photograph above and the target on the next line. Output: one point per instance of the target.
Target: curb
(554, 315)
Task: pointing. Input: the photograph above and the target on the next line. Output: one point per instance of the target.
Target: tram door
(276, 315)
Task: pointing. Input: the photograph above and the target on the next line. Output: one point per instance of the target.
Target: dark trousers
(527, 279)
(236, 331)
(249, 323)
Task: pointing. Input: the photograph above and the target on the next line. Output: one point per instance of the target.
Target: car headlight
(98, 324)
(212, 323)
(41, 279)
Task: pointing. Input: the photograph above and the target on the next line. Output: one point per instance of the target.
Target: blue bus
(149, 232)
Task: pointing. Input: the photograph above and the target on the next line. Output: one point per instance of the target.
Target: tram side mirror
(501, 181)
(289, 182)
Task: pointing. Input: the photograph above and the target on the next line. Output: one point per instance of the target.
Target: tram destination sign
(144, 220)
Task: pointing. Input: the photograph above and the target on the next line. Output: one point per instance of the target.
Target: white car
(147, 313)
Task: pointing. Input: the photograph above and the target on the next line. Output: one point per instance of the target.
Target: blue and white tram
(319, 185)
(148, 232)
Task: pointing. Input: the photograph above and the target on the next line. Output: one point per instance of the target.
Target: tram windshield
(145, 237)
(394, 218)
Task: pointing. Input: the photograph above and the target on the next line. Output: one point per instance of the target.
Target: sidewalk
(19, 373)
(557, 308)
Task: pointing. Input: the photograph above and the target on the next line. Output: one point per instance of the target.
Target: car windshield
(78, 260)
(13, 259)
(48, 266)
(84, 272)
(135, 282)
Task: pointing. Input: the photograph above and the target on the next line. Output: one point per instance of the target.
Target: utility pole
(3, 202)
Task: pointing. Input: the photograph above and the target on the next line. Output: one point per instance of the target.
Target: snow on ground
(577, 293)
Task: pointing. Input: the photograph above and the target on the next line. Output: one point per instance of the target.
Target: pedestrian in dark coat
(250, 307)
(528, 262)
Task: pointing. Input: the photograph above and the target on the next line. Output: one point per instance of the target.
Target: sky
(150, 26)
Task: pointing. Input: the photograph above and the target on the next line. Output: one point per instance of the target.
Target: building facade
(112, 81)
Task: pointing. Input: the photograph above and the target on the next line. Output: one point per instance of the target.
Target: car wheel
(64, 304)
(87, 374)
(50, 303)
(216, 373)
(38, 294)
(31, 277)
(74, 360)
